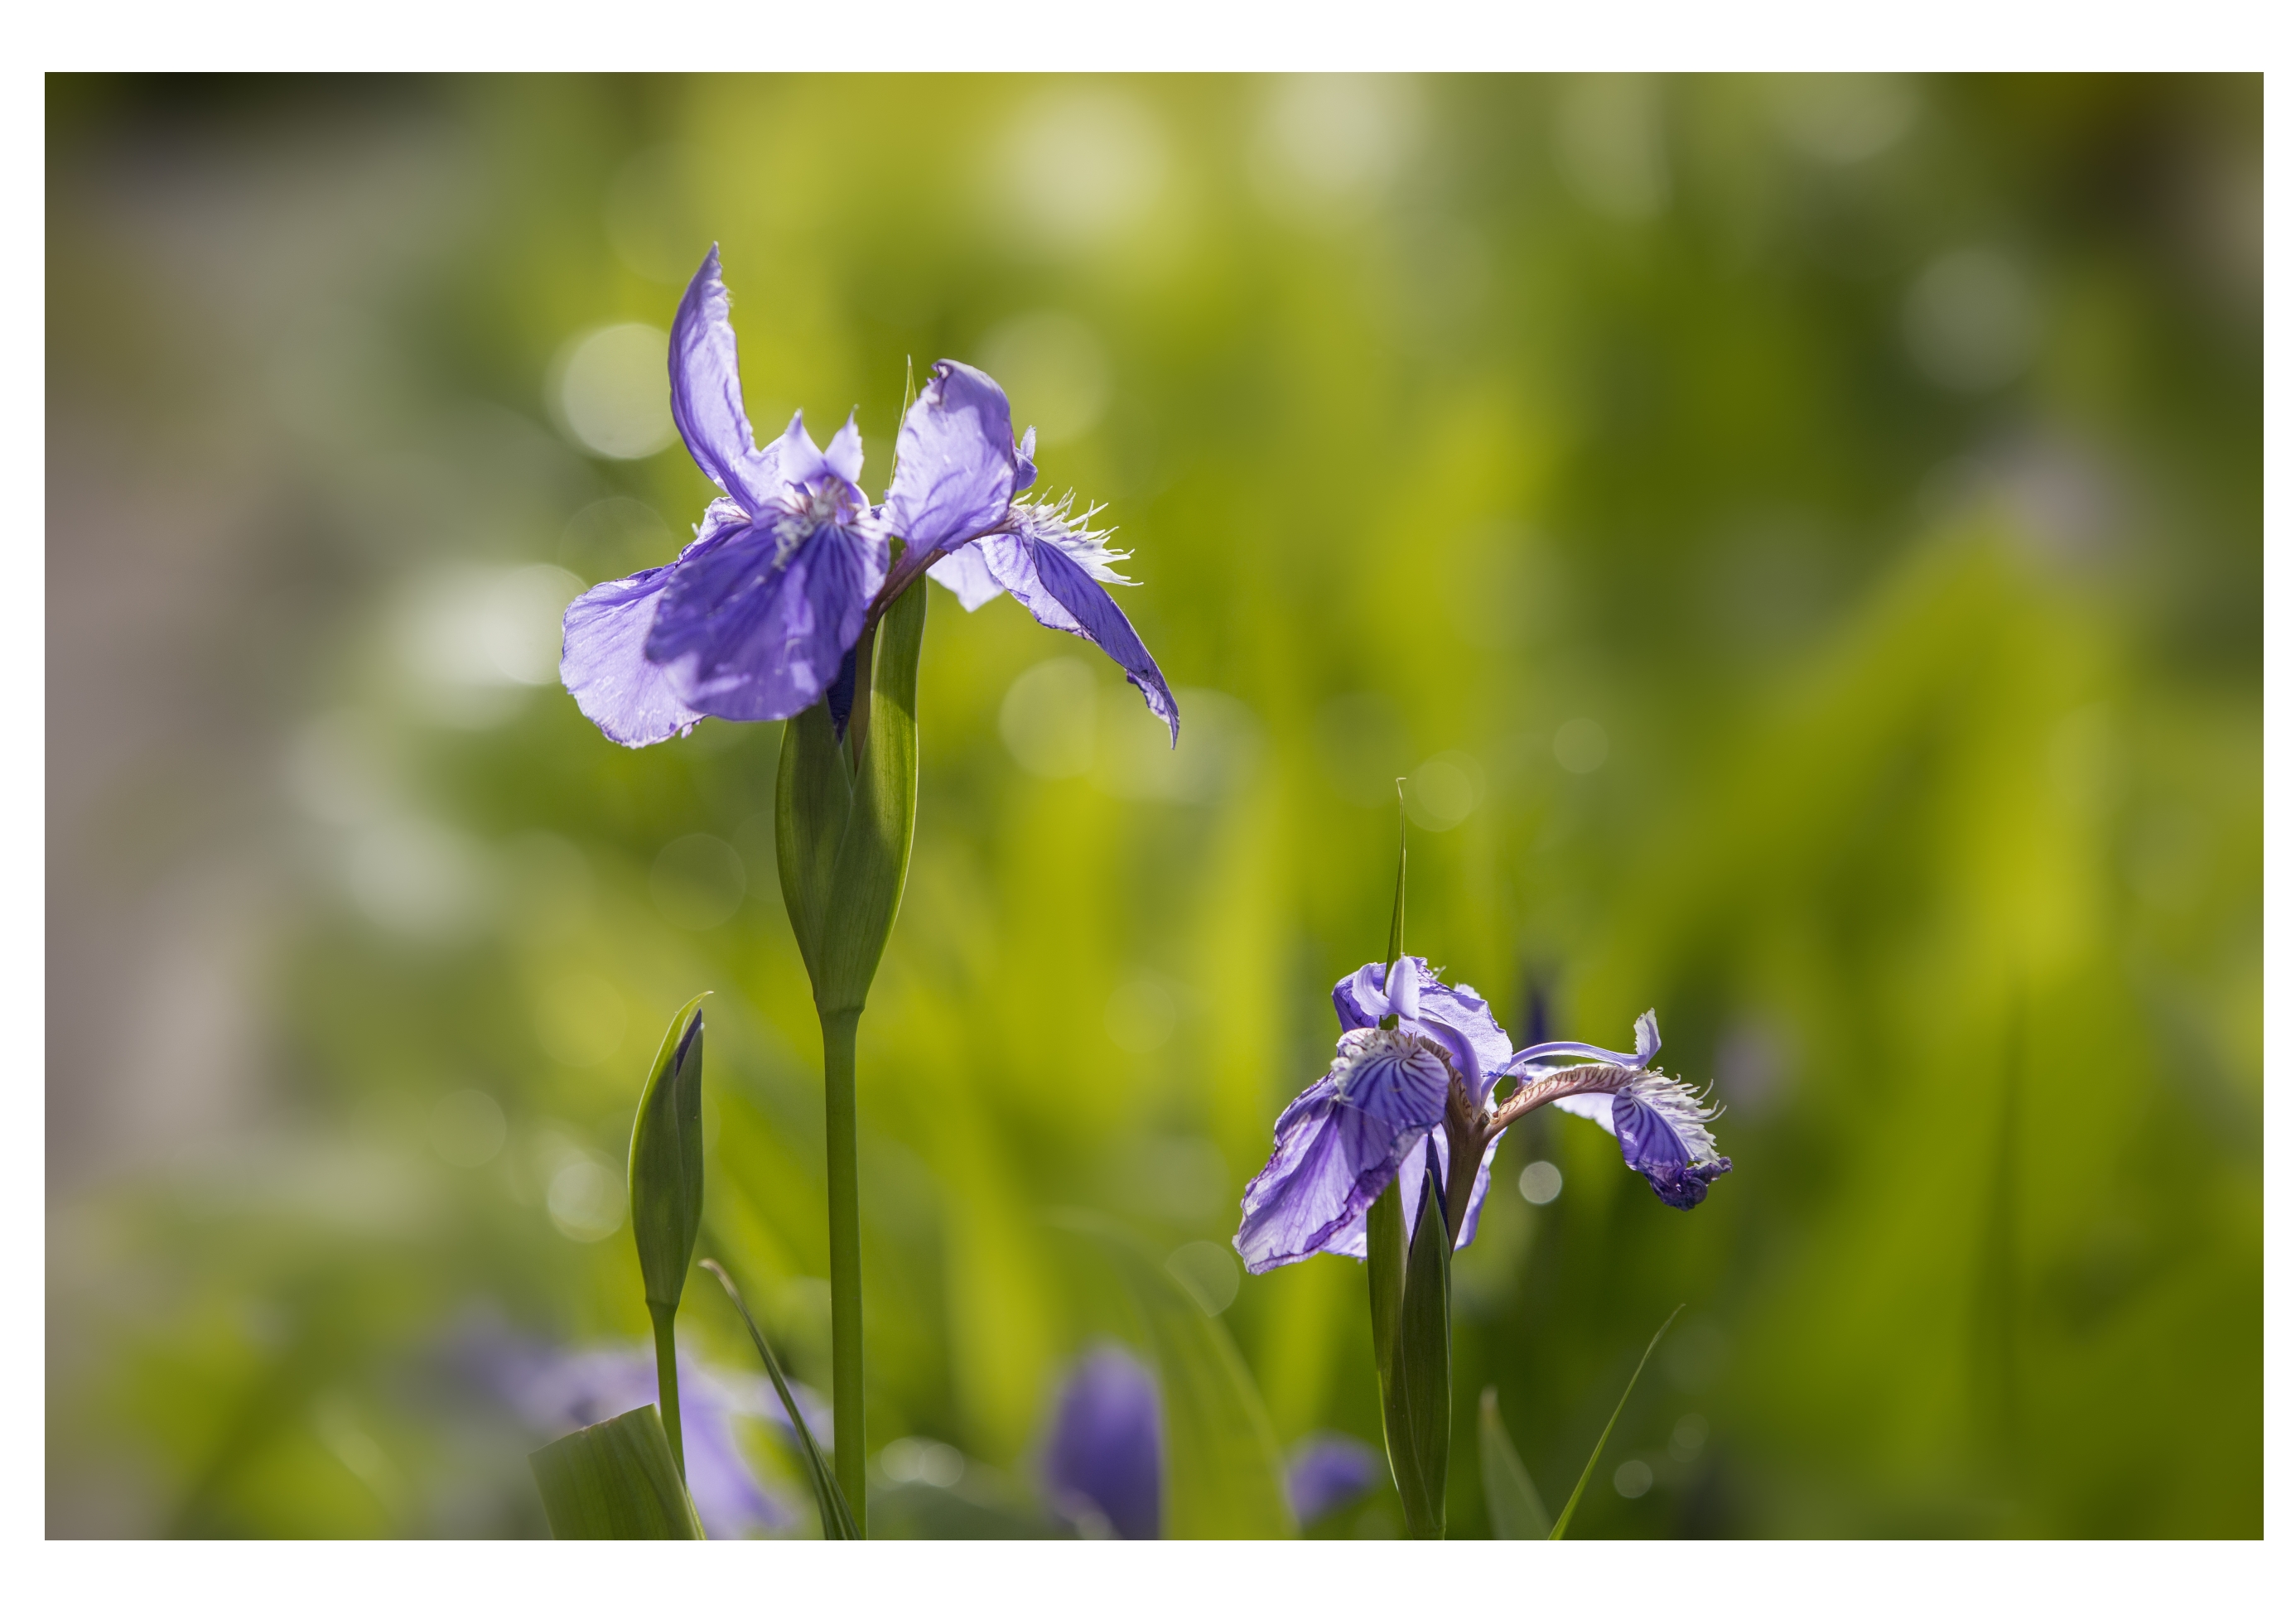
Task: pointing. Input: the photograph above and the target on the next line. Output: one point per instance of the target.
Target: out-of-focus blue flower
(1365, 1123)
(1328, 1472)
(959, 502)
(1660, 1123)
(752, 619)
(553, 1392)
(1105, 1460)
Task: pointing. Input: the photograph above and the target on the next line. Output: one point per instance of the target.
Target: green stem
(665, 1373)
(838, 1029)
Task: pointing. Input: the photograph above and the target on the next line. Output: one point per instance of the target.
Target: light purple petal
(965, 571)
(754, 633)
(1457, 1017)
(1106, 1454)
(1062, 594)
(705, 393)
(844, 453)
(954, 474)
(1024, 469)
(603, 663)
(1337, 1146)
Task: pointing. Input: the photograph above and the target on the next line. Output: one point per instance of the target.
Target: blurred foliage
(1804, 536)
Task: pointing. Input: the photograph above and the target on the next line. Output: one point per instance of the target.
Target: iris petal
(755, 634)
(705, 393)
(1061, 595)
(604, 665)
(954, 476)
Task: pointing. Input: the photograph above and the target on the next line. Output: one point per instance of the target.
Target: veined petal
(705, 393)
(603, 663)
(802, 463)
(755, 625)
(1059, 593)
(1457, 1017)
(1339, 1145)
(1660, 1123)
(956, 470)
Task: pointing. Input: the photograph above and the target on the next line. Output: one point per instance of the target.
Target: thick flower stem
(838, 1029)
(665, 1373)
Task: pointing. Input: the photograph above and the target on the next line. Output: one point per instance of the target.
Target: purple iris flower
(1106, 1456)
(960, 503)
(752, 619)
(1367, 1122)
(1431, 1082)
(1330, 1471)
(556, 1391)
(1659, 1124)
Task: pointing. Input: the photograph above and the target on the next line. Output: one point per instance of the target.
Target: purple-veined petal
(1328, 1472)
(802, 463)
(1457, 1017)
(1401, 990)
(1106, 1453)
(1060, 594)
(965, 572)
(705, 393)
(1660, 1123)
(753, 630)
(954, 474)
(1338, 1145)
(603, 663)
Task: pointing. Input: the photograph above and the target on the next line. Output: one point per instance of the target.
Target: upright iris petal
(953, 503)
(1106, 1454)
(753, 619)
(1365, 1124)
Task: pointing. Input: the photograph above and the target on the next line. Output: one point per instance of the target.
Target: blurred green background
(1803, 535)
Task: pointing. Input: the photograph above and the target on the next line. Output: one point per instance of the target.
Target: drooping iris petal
(603, 664)
(1328, 1472)
(1458, 1018)
(705, 393)
(1106, 1454)
(956, 471)
(1060, 594)
(1338, 1145)
(754, 626)
(1660, 1123)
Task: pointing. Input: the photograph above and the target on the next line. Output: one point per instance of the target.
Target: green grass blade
(1508, 1493)
(1223, 1474)
(614, 1479)
(1571, 1505)
(836, 1512)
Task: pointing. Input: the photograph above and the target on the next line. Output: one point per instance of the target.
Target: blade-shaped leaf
(1571, 1505)
(1223, 1474)
(614, 1479)
(836, 1512)
(1508, 1493)
(1419, 1393)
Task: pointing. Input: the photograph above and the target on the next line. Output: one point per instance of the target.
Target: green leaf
(666, 1160)
(1223, 1474)
(614, 1479)
(1571, 1505)
(836, 1513)
(1508, 1493)
(845, 814)
(1418, 1397)
(1385, 1260)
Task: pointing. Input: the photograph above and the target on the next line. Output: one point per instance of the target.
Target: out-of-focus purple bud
(1106, 1456)
(1328, 1472)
